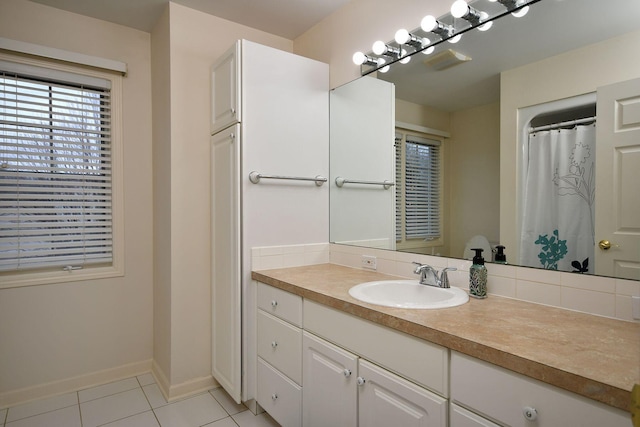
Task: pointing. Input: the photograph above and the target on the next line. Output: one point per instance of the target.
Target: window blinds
(418, 161)
(55, 173)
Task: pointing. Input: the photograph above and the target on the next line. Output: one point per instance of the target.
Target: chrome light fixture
(418, 43)
(384, 54)
(430, 24)
(514, 4)
(461, 9)
(381, 48)
(360, 58)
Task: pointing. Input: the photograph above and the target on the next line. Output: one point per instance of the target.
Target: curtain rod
(563, 124)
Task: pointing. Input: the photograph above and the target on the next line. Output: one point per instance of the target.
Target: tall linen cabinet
(269, 114)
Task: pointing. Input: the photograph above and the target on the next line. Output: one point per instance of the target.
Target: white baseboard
(67, 385)
(173, 392)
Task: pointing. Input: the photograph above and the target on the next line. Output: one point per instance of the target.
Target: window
(418, 191)
(56, 171)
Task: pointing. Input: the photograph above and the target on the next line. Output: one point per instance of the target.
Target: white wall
(474, 174)
(64, 336)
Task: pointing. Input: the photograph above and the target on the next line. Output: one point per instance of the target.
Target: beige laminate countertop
(592, 356)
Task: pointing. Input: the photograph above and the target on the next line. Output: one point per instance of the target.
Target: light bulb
(459, 8)
(405, 59)
(455, 39)
(428, 23)
(429, 50)
(381, 62)
(485, 27)
(402, 36)
(521, 12)
(359, 58)
(379, 48)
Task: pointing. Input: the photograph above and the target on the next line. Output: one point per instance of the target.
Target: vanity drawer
(279, 396)
(424, 363)
(282, 304)
(460, 417)
(280, 344)
(503, 395)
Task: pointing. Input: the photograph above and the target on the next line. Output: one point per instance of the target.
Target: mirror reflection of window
(419, 181)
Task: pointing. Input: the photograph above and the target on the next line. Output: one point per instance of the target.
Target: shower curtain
(559, 190)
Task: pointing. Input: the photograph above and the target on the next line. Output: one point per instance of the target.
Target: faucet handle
(444, 277)
(419, 267)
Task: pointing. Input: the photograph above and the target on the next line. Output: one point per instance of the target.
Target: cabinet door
(225, 274)
(225, 90)
(329, 381)
(388, 400)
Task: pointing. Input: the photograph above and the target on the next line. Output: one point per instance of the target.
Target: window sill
(49, 277)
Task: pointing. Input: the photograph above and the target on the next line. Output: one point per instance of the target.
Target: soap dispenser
(501, 258)
(478, 276)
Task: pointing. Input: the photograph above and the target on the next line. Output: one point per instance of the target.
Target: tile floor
(134, 402)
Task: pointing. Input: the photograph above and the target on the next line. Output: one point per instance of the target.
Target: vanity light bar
(481, 20)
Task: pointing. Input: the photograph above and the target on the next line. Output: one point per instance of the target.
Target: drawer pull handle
(274, 397)
(274, 303)
(347, 373)
(361, 381)
(274, 344)
(530, 414)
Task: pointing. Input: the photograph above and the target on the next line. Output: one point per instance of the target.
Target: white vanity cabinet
(343, 389)
(519, 401)
(279, 346)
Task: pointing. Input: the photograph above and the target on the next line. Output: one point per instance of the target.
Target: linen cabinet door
(386, 399)
(226, 297)
(225, 90)
(329, 374)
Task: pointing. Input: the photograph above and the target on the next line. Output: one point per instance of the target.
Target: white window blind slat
(418, 191)
(55, 172)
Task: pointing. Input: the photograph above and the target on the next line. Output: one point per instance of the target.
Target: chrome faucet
(441, 281)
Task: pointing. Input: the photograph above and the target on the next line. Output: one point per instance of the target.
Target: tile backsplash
(603, 296)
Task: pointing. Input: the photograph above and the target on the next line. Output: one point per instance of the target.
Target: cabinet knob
(274, 397)
(360, 381)
(274, 303)
(274, 344)
(347, 373)
(530, 414)
(233, 111)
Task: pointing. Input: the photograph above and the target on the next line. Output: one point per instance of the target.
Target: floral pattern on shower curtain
(559, 190)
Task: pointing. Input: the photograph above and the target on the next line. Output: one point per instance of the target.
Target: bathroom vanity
(325, 358)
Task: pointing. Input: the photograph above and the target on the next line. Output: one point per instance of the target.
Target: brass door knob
(604, 245)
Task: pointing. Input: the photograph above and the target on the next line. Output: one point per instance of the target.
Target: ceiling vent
(446, 59)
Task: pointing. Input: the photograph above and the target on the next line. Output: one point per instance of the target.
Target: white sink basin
(408, 294)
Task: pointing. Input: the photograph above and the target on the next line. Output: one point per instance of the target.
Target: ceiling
(285, 18)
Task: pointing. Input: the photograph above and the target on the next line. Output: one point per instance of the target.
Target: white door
(330, 395)
(385, 400)
(225, 249)
(617, 180)
(225, 90)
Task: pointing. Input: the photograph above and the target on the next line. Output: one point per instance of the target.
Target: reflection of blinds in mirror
(417, 188)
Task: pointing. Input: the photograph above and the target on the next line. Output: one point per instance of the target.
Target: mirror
(464, 102)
